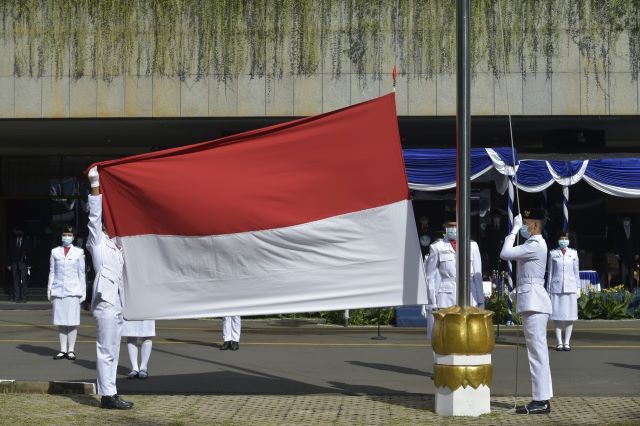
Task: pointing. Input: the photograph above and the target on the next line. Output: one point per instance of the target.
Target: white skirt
(66, 310)
(564, 306)
(144, 328)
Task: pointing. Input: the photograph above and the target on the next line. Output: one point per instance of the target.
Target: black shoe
(567, 348)
(235, 346)
(226, 346)
(60, 355)
(534, 407)
(114, 403)
(122, 400)
(71, 356)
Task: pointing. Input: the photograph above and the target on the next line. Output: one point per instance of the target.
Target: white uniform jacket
(531, 258)
(108, 261)
(67, 273)
(563, 271)
(442, 261)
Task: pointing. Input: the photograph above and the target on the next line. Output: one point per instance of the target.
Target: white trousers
(108, 331)
(231, 329)
(535, 334)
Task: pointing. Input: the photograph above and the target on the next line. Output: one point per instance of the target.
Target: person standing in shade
(106, 303)
(628, 248)
(563, 278)
(533, 303)
(66, 290)
(18, 254)
(442, 260)
(230, 333)
(441, 273)
(146, 330)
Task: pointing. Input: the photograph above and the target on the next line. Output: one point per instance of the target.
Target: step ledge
(45, 387)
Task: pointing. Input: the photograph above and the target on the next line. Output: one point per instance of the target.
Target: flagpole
(463, 150)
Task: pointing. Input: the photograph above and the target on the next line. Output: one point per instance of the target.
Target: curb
(42, 387)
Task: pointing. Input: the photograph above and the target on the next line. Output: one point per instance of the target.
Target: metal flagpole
(463, 151)
(453, 396)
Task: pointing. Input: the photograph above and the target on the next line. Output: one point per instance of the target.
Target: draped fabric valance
(435, 170)
(614, 176)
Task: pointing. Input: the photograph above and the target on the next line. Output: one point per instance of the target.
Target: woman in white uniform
(66, 290)
(563, 279)
(146, 330)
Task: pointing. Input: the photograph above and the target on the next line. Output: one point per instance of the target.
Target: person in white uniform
(66, 290)
(441, 273)
(230, 333)
(106, 304)
(442, 261)
(146, 330)
(533, 303)
(563, 279)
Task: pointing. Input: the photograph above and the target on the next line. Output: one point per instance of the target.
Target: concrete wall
(569, 91)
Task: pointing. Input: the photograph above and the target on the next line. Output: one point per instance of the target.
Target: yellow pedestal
(462, 342)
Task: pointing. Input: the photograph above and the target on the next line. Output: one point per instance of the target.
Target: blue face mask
(66, 240)
(524, 231)
(563, 244)
(452, 233)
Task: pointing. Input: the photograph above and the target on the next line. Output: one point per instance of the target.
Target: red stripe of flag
(292, 173)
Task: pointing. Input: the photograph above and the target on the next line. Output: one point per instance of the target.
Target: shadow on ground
(393, 368)
(631, 366)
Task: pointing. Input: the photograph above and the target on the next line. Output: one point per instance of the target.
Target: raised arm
(95, 209)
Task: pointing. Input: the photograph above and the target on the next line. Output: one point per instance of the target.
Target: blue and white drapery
(614, 176)
(435, 169)
(619, 177)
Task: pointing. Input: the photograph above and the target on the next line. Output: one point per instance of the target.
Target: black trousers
(20, 281)
(626, 274)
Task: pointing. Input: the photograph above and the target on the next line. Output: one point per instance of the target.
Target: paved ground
(332, 409)
(303, 373)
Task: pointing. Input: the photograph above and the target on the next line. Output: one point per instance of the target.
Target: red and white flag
(304, 216)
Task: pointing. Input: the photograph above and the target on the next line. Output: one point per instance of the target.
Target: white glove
(94, 177)
(83, 298)
(423, 311)
(29, 270)
(517, 224)
(49, 295)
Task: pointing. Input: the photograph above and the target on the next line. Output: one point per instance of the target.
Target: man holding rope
(533, 303)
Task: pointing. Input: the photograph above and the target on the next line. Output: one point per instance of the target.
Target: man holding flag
(108, 263)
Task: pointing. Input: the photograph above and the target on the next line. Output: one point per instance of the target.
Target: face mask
(626, 223)
(563, 243)
(67, 240)
(452, 233)
(524, 231)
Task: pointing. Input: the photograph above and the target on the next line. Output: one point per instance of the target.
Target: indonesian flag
(304, 216)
